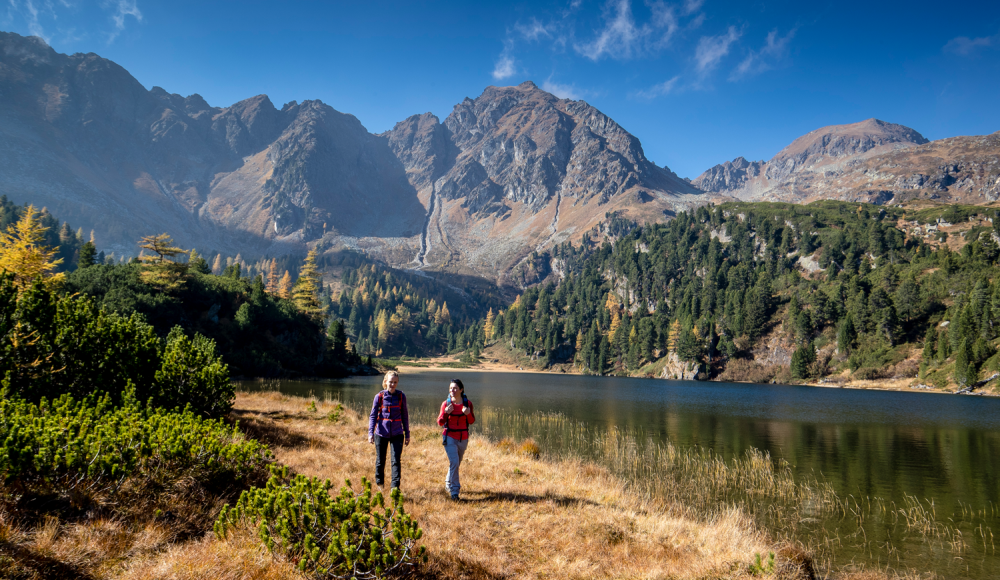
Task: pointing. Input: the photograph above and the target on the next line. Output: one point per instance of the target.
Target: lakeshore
(910, 385)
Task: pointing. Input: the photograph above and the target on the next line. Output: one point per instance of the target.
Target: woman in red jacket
(456, 416)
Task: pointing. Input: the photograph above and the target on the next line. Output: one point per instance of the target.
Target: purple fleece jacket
(398, 420)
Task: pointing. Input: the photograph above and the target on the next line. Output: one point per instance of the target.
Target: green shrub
(192, 373)
(54, 446)
(52, 345)
(348, 536)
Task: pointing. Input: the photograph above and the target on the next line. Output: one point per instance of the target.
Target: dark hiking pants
(382, 444)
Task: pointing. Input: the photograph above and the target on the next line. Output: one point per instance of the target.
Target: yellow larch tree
(488, 326)
(24, 254)
(285, 286)
(272, 277)
(305, 293)
(160, 268)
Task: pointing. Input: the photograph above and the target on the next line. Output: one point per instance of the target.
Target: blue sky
(698, 81)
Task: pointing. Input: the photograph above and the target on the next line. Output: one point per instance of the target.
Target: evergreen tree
(964, 366)
(88, 255)
(802, 360)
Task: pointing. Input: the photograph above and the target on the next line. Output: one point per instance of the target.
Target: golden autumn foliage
(24, 254)
(161, 269)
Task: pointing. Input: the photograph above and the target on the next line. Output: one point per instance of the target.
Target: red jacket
(456, 423)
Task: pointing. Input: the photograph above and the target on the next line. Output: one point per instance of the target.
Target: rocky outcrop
(729, 176)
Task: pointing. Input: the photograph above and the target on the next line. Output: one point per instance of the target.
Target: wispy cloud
(562, 91)
(620, 36)
(664, 88)
(504, 67)
(712, 49)
(965, 46)
(623, 38)
(42, 18)
(774, 51)
(121, 9)
(534, 30)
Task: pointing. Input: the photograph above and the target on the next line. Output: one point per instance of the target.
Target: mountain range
(508, 173)
(871, 161)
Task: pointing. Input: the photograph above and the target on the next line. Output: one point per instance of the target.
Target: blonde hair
(385, 379)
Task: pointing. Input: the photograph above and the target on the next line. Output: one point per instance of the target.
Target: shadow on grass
(28, 564)
(267, 431)
(498, 496)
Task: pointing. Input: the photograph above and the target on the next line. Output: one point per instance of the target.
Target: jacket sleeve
(404, 415)
(374, 414)
(471, 417)
(442, 420)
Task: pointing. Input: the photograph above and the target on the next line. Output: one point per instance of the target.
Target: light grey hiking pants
(456, 451)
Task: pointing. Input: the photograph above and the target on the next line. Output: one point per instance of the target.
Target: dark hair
(459, 383)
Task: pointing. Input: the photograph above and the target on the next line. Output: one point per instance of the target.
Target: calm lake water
(944, 450)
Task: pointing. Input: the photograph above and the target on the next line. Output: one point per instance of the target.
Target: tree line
(863, 289)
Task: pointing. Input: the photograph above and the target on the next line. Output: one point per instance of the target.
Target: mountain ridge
(514, 170)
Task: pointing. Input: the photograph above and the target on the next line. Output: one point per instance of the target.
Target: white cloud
(42, 18)
(561, 91)
(620, 37)
(692, 6)
(712, 49)
(965, 46)
(121, 9)
(664, 88)
(31, 15)
(623, 38)
(504, 67)
(775, 50)
(534, 30)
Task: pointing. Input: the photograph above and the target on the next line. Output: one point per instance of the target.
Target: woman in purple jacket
(389, 425)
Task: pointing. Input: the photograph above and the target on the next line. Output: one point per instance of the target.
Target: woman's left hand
(406, 441)
(466, 409)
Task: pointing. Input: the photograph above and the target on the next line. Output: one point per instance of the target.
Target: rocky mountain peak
(730, 175)
(837, 141)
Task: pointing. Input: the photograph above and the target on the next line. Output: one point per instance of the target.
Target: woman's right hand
(371, 439)
(449, 408)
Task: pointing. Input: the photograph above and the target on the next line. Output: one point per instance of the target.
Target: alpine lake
(908, 481)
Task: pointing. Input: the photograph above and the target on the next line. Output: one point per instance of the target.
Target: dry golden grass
(519, 517)
(240, 557)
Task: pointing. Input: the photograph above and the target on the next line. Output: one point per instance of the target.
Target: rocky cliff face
(85, 139)
(872, 161)
(518, 169)
(729, 176)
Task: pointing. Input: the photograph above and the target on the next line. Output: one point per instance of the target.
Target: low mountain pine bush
(351, 535)
(56, 446)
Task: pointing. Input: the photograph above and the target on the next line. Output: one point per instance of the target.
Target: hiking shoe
(454, 497)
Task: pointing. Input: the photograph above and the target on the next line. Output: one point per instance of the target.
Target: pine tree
(217, 265)
(964, 366)
(198, 263)
(802, 359)
(88, 255)
(24, 254)
(846, 335)
(928, 354)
